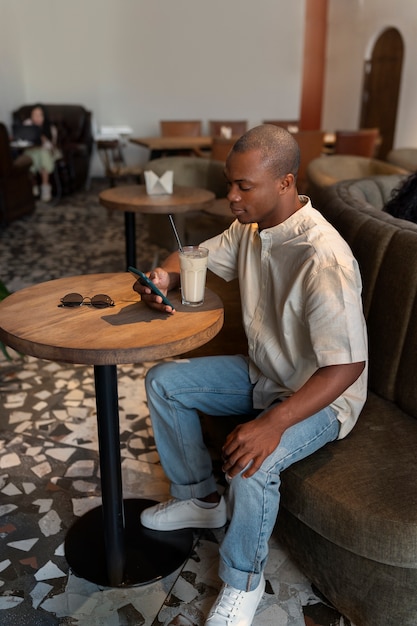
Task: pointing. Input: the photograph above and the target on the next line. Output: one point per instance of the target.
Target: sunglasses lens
(72, 299)
(101, 301)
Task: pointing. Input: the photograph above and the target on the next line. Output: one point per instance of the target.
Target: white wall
(354, 26)
(137, 61)
(11, 62)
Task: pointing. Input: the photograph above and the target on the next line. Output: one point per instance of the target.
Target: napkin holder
(226, 132)
(159, 185)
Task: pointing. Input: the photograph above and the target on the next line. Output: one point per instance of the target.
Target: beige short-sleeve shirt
(301, 304)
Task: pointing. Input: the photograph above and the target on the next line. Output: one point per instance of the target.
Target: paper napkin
(156, 185)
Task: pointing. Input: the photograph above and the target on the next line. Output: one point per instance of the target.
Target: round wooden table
(108, 545)
(133, 199)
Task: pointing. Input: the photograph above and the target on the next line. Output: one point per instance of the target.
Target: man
(304, 382)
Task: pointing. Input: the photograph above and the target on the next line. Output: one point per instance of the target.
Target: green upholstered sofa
(349, 512)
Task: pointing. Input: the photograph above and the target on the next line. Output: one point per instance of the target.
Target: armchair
(75, 140)
(403, 157)
(328, 170)
(16, 198)
(197, 225)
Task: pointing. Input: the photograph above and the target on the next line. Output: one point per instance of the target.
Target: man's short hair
(280, 151)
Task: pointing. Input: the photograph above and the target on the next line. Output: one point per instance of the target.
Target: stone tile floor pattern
(49, 469)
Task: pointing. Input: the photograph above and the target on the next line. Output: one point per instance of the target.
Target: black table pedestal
(150, 554)
(108, 545)
(130, 237)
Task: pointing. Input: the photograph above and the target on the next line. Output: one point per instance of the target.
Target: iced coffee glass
(193, 270)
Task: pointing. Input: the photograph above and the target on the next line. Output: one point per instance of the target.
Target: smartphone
(144, 280)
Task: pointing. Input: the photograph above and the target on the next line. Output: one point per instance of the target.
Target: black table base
(149, 554)
(108, 545)
(130, 238)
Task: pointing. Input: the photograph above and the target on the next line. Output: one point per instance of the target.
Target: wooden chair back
(221, 147)
(180, 128)
(115, 167)
(362, 142)
(237, 127)
(292, 126)
(311, 147)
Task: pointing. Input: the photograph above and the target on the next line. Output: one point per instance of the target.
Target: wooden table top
(133, 198)
(173, 143)
(31, 322)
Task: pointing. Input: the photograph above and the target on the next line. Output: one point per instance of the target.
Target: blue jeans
(220, 386)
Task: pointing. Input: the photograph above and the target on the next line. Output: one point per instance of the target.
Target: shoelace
(227, 602)
(168, 504)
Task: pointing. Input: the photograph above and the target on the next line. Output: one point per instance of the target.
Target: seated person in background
(403, 201)
(44, 155)
(302, 385)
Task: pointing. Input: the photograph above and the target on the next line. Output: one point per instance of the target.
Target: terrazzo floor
(49, 471)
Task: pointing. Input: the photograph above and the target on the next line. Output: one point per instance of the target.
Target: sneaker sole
(183, 526)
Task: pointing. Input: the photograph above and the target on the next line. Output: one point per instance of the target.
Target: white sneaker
(234, 607)
(46, 194)
(176, 514)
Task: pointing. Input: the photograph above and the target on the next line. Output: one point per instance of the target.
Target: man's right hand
(161, 279)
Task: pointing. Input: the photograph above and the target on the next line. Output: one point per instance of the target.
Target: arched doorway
(381, 87)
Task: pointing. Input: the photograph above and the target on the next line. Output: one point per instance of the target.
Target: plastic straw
(177, 237)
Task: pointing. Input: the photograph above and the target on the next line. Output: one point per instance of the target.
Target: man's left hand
(248, 445)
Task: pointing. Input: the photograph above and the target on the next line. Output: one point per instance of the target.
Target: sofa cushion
(356, 492)
(376, 190)
(406, 387)
(391, 312)
(371, 235)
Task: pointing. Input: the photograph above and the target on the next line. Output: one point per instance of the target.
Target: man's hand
(161, 279)
(249, 444)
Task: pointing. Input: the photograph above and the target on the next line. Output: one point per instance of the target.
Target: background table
(133, 198)
(160, 144)
(108, 545)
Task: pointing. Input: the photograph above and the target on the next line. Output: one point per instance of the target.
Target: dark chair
(16, 197)
(362, 142)
(75, 140)
(237, 127)
(111, 154)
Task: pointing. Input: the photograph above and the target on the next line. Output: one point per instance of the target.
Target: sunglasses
(100, 301)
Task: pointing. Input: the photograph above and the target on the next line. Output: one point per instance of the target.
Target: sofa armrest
(22, 162)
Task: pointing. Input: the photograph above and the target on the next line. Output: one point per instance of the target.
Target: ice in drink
(193, 269)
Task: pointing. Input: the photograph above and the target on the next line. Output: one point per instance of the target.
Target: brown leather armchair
(75, 140)
(16, 198)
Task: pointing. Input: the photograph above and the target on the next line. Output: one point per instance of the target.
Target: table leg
(108, 545)
(110, 470)
(130, 236)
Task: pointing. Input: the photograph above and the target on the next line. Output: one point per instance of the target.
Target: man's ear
(287, 182)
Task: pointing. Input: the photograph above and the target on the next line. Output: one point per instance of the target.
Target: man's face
(254, 193)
